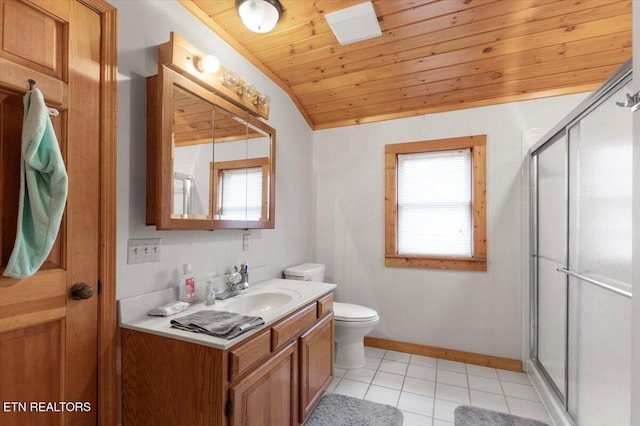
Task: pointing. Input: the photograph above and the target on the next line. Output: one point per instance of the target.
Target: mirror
(192, 135)
(210, 164)
(241, 173)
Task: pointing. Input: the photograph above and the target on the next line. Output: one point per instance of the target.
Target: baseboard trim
(443, 353)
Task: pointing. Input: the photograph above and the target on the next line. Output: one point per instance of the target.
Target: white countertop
(132, 311)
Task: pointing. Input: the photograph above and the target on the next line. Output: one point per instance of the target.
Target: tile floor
(428, 390)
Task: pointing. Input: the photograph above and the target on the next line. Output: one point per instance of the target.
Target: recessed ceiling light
(355, 23)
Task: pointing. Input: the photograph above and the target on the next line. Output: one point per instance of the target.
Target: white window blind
(242, 194)
(434, 203)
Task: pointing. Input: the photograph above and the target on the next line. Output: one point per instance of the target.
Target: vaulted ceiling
(433, 55)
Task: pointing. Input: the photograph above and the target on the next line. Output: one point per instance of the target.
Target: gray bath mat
(340, 410)
(474, 416)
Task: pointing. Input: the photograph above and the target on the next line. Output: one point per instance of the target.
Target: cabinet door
(316, 364)
(268, 396)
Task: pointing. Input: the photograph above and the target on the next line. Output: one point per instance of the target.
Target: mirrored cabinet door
(180, 120)
(192, 137)
(242, 173)
(210, 165)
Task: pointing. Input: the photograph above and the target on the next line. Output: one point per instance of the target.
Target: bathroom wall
(478, 312)
(142, 25)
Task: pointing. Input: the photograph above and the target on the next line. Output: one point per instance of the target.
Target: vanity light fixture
(208, 63)
(206, 70)
(260, 16)
(247, 91)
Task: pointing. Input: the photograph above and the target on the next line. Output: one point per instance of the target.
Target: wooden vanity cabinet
(275, 377)
(267, 396)
(316, 366)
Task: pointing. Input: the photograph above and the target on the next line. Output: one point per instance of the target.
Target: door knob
(81, 291)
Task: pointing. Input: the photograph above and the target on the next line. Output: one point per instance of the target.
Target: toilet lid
(351, 312)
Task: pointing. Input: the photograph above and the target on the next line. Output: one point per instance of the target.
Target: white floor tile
(520, 391)
(394, 367)
(428, 390)
(418, 404)
(388, 380)
(374, 352)
(490, 401)
(397, 356)
(439, 422)
(426, 361)
(333, 384)
(458, 367)
(360, 375)
(413, 419)
(512, 376)
(482, 371)
(419, 386)
(452, 378)
(351, 388)
(530, 409)
(371, 362)
(383, 395)
(485, 384)
(443, 410)
(452, 393)
(421, 372)
(339, 372)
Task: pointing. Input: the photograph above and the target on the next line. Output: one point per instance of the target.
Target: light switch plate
(143, 250)
(246, 242)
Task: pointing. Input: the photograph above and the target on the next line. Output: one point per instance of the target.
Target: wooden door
(268, 396)
(48, 341)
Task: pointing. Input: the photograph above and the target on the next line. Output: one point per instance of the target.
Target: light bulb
(209, 63)
(230, 78)
(248, 90)
(263, 102)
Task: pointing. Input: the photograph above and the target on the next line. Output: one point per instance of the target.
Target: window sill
(452, 263)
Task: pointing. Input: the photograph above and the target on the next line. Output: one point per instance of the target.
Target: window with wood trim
(435, 208)
(241, 189)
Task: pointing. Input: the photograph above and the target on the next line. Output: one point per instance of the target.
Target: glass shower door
(581, 269)
(551, 253)
(600, 253)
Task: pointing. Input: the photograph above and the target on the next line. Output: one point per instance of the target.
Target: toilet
(352, 322)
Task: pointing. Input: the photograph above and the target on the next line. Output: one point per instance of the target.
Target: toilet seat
(348, 312)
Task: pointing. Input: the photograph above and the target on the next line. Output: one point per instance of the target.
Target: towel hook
(32, 83)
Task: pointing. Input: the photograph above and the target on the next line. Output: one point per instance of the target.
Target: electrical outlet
(143, 251)
(246, 241)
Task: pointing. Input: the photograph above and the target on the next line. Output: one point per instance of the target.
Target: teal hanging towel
(43, 190)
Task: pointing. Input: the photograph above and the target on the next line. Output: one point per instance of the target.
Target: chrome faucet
(237, 281)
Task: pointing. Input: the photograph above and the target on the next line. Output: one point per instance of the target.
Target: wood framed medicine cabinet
(210, 163)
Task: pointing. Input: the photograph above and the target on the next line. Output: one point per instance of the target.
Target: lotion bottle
(187, 284)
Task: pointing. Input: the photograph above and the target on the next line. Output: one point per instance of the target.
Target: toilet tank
(306, 272)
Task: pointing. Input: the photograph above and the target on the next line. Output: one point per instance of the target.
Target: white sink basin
(259, 303)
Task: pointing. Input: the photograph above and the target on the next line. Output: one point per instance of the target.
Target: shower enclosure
(581, 175)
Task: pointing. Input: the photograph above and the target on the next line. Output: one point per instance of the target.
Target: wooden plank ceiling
(433, 55)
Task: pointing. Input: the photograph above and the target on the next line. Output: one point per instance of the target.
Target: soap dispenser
(211, 289)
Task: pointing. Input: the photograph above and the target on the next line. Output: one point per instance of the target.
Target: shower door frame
(555, 399)
(534, 329)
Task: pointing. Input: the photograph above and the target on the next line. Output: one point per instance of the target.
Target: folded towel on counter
(227, 325)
